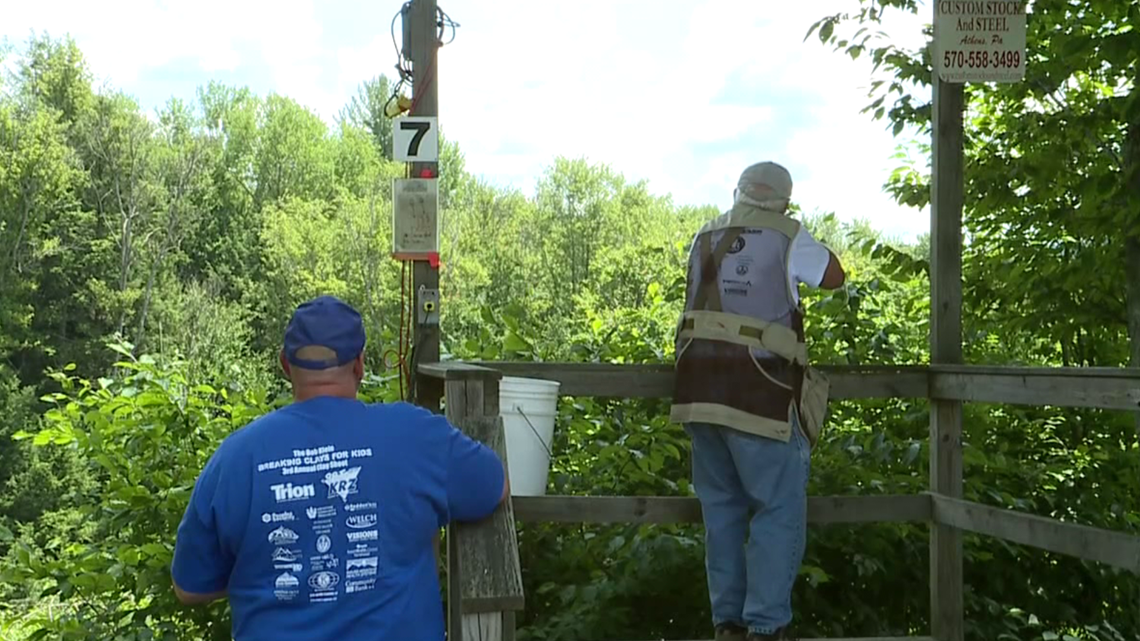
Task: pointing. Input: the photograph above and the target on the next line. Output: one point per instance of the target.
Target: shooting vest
(741, 358)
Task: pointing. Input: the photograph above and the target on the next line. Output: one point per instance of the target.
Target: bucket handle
(532, 429)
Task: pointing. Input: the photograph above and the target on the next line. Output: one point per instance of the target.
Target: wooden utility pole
(481, 606)
(424, 49)
(947, 182)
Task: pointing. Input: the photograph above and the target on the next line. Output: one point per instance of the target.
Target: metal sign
(980, 40)
(415, 139)
(415, 218)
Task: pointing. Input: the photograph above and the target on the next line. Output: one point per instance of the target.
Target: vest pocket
(813, 403)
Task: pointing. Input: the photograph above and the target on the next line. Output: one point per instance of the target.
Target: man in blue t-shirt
(319, 520)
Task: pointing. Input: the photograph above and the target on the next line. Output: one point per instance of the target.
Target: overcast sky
(683, 93)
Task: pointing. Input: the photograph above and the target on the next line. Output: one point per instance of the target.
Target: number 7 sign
(415, 139)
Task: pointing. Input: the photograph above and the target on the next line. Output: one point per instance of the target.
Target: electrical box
(406, 24)
(415, 218)
(427, 306)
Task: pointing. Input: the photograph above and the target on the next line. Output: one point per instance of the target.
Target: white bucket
(528, 407)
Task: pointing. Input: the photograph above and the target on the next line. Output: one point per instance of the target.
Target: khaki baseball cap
(769, 179)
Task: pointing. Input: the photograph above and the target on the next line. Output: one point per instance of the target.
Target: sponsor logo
(352, 564)
(287, 580)
(368, 535)
(362, 550)
(342, 482)
(360, 568)
(285, 492)
(356, 507)
(737, 245)
(323, 543)
(294, 567)
(322, 512)
(324, 561)
(742, 270)
(277, 517)
(282, 536)
(285, 555)
(324, 581)
(359, 586)
(286, 587)
(360, 521)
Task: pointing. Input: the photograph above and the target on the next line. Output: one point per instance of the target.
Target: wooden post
(946, 607)
(425, 102)
(484, 585)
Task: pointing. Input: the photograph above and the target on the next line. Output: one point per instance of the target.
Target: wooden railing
(484, 577)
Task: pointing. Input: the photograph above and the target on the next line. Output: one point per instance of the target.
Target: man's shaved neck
(337, 381)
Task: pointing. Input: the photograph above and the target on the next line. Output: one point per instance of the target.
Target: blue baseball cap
(327, 322)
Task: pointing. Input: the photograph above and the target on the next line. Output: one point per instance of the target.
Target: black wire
(444, 22)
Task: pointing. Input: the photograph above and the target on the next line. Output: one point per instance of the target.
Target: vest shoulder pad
(744, 215)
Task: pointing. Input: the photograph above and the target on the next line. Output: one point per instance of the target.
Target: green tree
(225, 241)
(365, 111)
(294, 154)
(1050, 217)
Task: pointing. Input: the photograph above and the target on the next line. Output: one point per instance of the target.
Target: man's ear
(284, 363)
(358, 366)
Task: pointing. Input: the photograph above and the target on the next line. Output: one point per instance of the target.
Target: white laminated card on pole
(980, 40)
(415, 218)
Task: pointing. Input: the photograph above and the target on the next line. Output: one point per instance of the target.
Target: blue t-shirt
(318, 520)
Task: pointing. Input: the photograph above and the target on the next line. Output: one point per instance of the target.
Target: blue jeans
(735, 474)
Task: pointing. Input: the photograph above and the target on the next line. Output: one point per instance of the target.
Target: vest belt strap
(744, 330)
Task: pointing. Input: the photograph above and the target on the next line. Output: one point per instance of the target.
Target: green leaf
(826, 30)
(44, 437)
(86, 581)
(155, 549)
(129, 555)
(121, 349)
(514, 343)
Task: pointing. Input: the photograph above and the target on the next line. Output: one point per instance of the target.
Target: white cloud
(629, 83)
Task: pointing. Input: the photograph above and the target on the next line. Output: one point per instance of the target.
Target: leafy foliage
(145, 436)
(1050, 215)
(184, 242)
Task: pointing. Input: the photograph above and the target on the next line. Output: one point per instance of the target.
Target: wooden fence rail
(673, 509)
(485, 600)
(1096, 387)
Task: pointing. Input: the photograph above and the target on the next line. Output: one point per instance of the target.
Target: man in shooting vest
(749, 401)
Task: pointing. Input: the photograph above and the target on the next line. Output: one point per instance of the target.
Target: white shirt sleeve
(808, 260)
